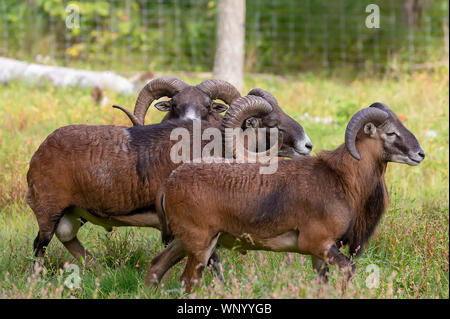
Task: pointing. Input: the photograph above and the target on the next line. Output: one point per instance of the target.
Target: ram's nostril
(421, 154)
(309, 146)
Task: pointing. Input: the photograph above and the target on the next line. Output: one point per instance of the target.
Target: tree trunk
(229, 59)
(412, 11)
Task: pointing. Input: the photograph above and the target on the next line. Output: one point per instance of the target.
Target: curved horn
(240, 110)
(381, 106)
(130, 115)
(357, 121)
(266, 95)
(219, 89)
(155, 89)
(243, 108)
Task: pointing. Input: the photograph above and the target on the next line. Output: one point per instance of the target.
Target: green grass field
(410, 247)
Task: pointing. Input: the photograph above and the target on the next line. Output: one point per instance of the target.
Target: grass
(410, 247)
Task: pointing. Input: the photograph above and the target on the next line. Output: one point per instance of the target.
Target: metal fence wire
(281, 36)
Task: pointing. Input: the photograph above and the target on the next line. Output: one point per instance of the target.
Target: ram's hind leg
(47, 223)
(77, 250)
(47, 220)
(66, 232)
(41, 242)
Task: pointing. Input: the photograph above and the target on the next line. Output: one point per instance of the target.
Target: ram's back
(93, 167)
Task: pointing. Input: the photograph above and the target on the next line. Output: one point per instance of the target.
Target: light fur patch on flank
(126, 134)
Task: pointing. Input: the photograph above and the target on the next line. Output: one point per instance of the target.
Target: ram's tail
(166, 234)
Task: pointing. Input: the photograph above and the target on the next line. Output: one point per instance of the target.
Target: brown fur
(367, 192)
(109, 171)
(277, 195)
(323, 199)
(311, 205)
(108, 175)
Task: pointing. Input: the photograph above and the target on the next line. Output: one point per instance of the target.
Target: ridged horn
(266, 95)
(381, 106)
(240, 110)
(219, 89)
(153, 90)
(370, 114)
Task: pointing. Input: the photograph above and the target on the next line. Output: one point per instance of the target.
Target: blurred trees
(281, 36)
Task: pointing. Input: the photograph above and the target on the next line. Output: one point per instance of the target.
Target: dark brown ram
(310, 205)
(109, 175)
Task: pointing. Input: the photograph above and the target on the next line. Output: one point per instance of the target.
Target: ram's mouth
(303, 153)
(407, 160)
(415, 162)
(292, 153)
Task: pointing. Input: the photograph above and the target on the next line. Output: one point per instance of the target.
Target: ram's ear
(218, 107)
(163, 106)
(252, 122)
(370, 129)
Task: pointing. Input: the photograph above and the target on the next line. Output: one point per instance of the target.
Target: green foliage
(281, 36)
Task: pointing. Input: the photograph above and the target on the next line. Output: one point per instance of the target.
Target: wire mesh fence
(281, 36)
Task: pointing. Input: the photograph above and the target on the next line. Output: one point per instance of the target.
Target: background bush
(282, 36)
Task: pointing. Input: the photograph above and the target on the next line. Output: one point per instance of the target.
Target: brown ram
(309, 206)
(109, 175)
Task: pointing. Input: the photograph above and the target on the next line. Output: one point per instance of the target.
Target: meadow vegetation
(410, 247)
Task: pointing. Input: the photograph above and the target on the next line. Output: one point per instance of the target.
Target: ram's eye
(271, 123)
(391, 134)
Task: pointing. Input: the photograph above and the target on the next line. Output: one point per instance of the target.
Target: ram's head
(260, 109)
(186, 102)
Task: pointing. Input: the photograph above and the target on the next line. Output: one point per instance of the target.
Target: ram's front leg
(321, 268)
(320, 244)
(335, 257)
(214, 262)
(192, 273)
(329, 254)
(165, 260)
